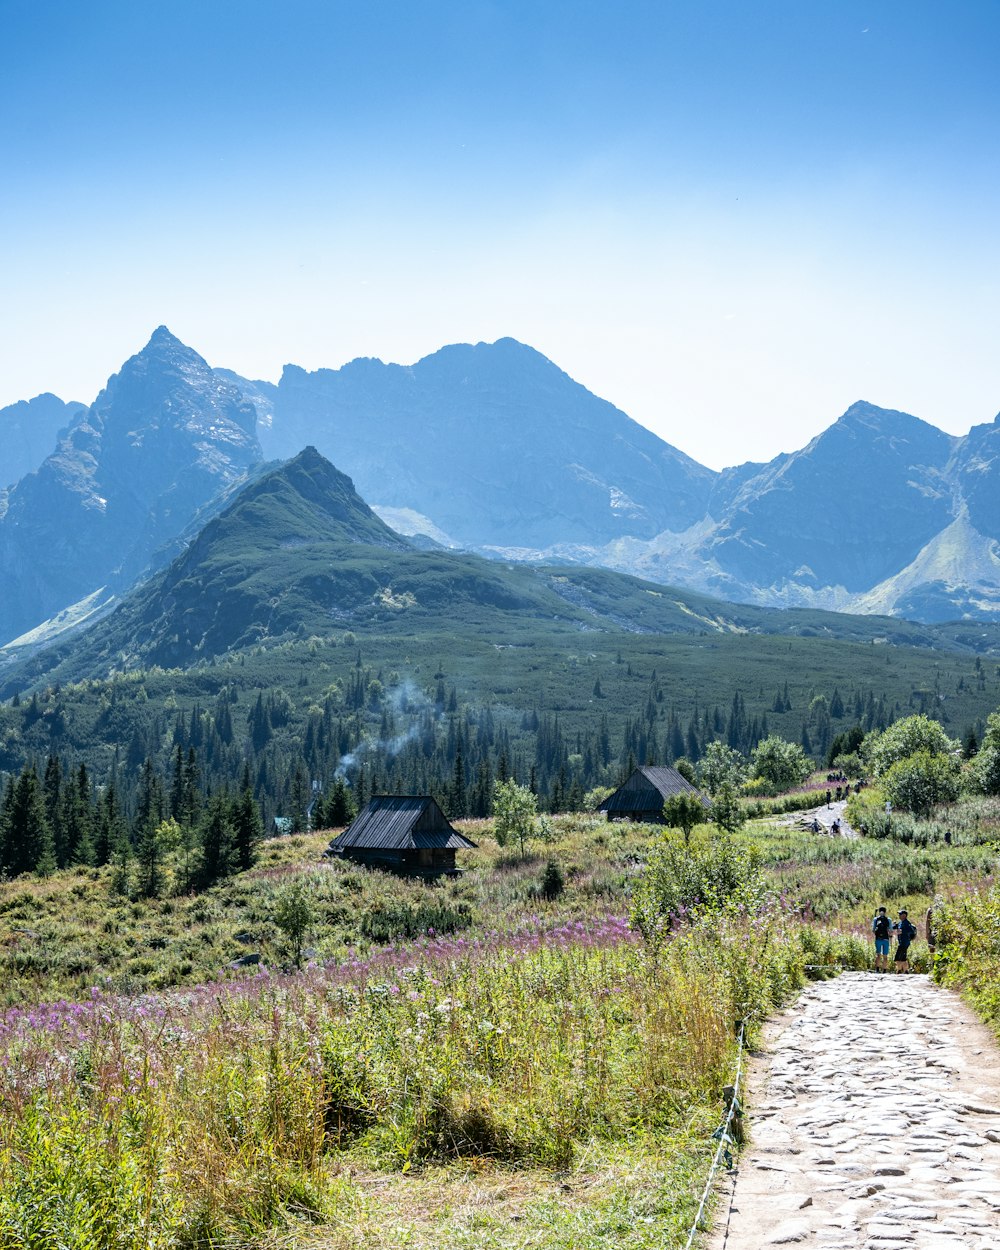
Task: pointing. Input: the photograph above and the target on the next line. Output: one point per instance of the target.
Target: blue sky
(731, 219)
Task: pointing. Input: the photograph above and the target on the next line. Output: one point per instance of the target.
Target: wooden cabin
(642, 796)
(402, 833)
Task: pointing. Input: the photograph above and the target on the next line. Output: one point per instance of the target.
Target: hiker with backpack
(882, 927)
(905, 932)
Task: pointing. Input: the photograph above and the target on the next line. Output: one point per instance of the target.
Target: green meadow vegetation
(479, 1062)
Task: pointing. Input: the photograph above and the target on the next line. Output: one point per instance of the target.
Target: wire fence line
(722, 1133)
(724, 1137)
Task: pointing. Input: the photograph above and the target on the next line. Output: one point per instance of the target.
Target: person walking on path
(905, 933)
(882, 928)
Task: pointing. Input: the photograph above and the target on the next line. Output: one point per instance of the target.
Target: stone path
(874, 1122)
(825, 814)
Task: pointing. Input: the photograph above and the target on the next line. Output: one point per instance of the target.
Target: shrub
(921, 781)
(780, 765)
(905, 738)
(678, 882)
(390, 922)
(553, 881)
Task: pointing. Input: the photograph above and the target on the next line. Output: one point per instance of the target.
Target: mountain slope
(298, 553)
(162, 438)
(956, 573)
(880, 513)
(493, 443)
(850, 509)
(977, 467)
(28, 432)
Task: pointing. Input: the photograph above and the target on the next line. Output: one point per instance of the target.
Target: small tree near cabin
(727, 811)
(514, 813)
(683, 811)
(294, 914)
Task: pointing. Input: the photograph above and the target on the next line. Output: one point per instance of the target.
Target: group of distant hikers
(883, 926)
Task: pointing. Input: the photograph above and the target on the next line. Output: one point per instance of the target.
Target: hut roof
(666, 781)
(389, 822)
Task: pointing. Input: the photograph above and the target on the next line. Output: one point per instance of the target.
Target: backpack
(882, 927)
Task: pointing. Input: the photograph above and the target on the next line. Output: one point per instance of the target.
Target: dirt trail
(874, 1122)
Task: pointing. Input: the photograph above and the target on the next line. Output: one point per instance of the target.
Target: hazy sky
(731, 219)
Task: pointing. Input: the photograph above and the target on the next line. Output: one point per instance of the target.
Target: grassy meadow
(462, 1064)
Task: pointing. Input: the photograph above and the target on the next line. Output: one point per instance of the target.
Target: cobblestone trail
(874, 1122)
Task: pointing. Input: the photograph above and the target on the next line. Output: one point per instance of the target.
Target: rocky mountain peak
(891, 423)
(167, 382)
(162, 439)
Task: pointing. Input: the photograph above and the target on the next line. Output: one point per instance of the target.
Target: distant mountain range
(489, 448)
(494, 448)
(28, 432)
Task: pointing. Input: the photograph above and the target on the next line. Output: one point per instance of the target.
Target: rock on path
(874, 1122)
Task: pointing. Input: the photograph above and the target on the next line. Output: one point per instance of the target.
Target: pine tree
(6, 808)
(217, 840)
(248, 828)
(80, 818)
(53, 791)
(457, 800)
(28, 835)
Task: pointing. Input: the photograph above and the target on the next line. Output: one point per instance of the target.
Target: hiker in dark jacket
(905, 933)
(882, 928)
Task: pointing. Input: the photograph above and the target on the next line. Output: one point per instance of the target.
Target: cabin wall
(426, 862)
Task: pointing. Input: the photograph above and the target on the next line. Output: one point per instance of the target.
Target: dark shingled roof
(387, 822)
(666, 781)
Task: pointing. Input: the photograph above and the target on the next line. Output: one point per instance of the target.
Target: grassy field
(539, 1074)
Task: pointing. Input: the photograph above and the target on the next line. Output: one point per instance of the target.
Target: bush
(780, 765)
(553, 881)
(390, 922)
(678, 882)
(968, 954)
(905, 738)
(921, 781)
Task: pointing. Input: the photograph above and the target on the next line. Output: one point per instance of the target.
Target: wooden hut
(642, 796)
(403, 833)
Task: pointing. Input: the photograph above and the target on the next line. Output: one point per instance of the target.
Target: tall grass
(968, 958)
(190, 1118)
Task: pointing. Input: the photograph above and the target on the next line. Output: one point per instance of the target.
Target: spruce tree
(217, 840)
(248, 828)
(29, 838)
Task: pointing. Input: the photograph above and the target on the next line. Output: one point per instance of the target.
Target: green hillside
(299, 553)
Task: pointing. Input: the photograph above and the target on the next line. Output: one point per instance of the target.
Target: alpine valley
(157, 569)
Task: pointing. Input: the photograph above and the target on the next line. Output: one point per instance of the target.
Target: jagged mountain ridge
(28, 431)
(493, 448)
(799, 516)
(881, 512)
(493, 442)
(162, 439)
(835, 525)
